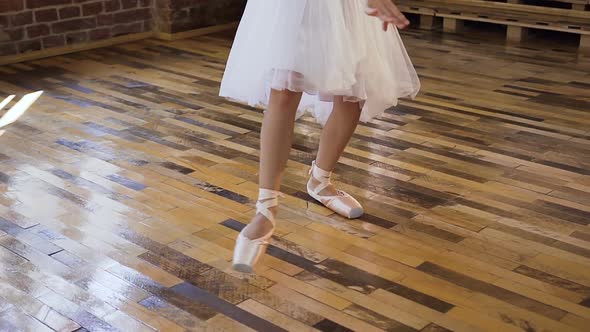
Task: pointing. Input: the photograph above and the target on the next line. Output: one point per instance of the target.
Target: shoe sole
(243, 268)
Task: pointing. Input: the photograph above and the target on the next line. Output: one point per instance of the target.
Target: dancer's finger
(396, 13)
(372, 11)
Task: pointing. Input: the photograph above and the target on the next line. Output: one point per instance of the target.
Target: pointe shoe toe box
(356, 212)
(244, 268)
(346, 206)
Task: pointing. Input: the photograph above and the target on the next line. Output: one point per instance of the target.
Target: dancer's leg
(275, 144)
(335, 136)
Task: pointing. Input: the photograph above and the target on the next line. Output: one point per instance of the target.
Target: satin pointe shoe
(343, 204)
(247, 251)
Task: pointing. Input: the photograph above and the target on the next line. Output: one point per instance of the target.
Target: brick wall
(182, 15)
(33, 25)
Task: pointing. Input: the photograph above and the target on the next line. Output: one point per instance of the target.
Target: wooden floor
(123, 190)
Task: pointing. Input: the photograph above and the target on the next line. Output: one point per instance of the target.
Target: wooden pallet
(516, 16)
(574, 4)
(517, 33)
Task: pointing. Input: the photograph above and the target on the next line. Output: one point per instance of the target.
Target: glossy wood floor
(123, 190)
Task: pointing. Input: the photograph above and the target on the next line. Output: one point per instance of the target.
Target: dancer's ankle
(259, 226)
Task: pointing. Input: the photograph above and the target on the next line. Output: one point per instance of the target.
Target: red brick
(69, 12)
(73, 25)
(54, 41)
(92, 8)
(112, 5)
(129, 3)
(35, 31)
(23, 18)
(147, 25)
(165, 4)
(8, 49)
(180, 15)
(182, 4)
(46, 3)
(11, 6)
(101, 33)
(29, 46)
(125, 29)
(105, 19)
(76, 37)
(133, 15)
(12, 34)
(46, 15)
(4, 21)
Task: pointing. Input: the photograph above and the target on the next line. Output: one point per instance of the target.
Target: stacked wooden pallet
(517, 16)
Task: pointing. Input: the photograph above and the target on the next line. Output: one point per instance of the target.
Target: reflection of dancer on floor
(329, 57)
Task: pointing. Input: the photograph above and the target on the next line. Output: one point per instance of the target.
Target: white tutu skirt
(324, 48)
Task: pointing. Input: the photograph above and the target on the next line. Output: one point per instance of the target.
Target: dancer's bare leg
(275, 144)
(335, 136)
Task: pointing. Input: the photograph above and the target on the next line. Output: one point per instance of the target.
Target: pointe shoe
(248, 251)
(343, 204)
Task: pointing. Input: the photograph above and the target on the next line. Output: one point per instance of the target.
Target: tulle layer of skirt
(324, 48)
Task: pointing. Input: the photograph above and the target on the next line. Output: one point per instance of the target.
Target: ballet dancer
(342, 60)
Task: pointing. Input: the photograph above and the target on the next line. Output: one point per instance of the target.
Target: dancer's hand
(387, 12)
